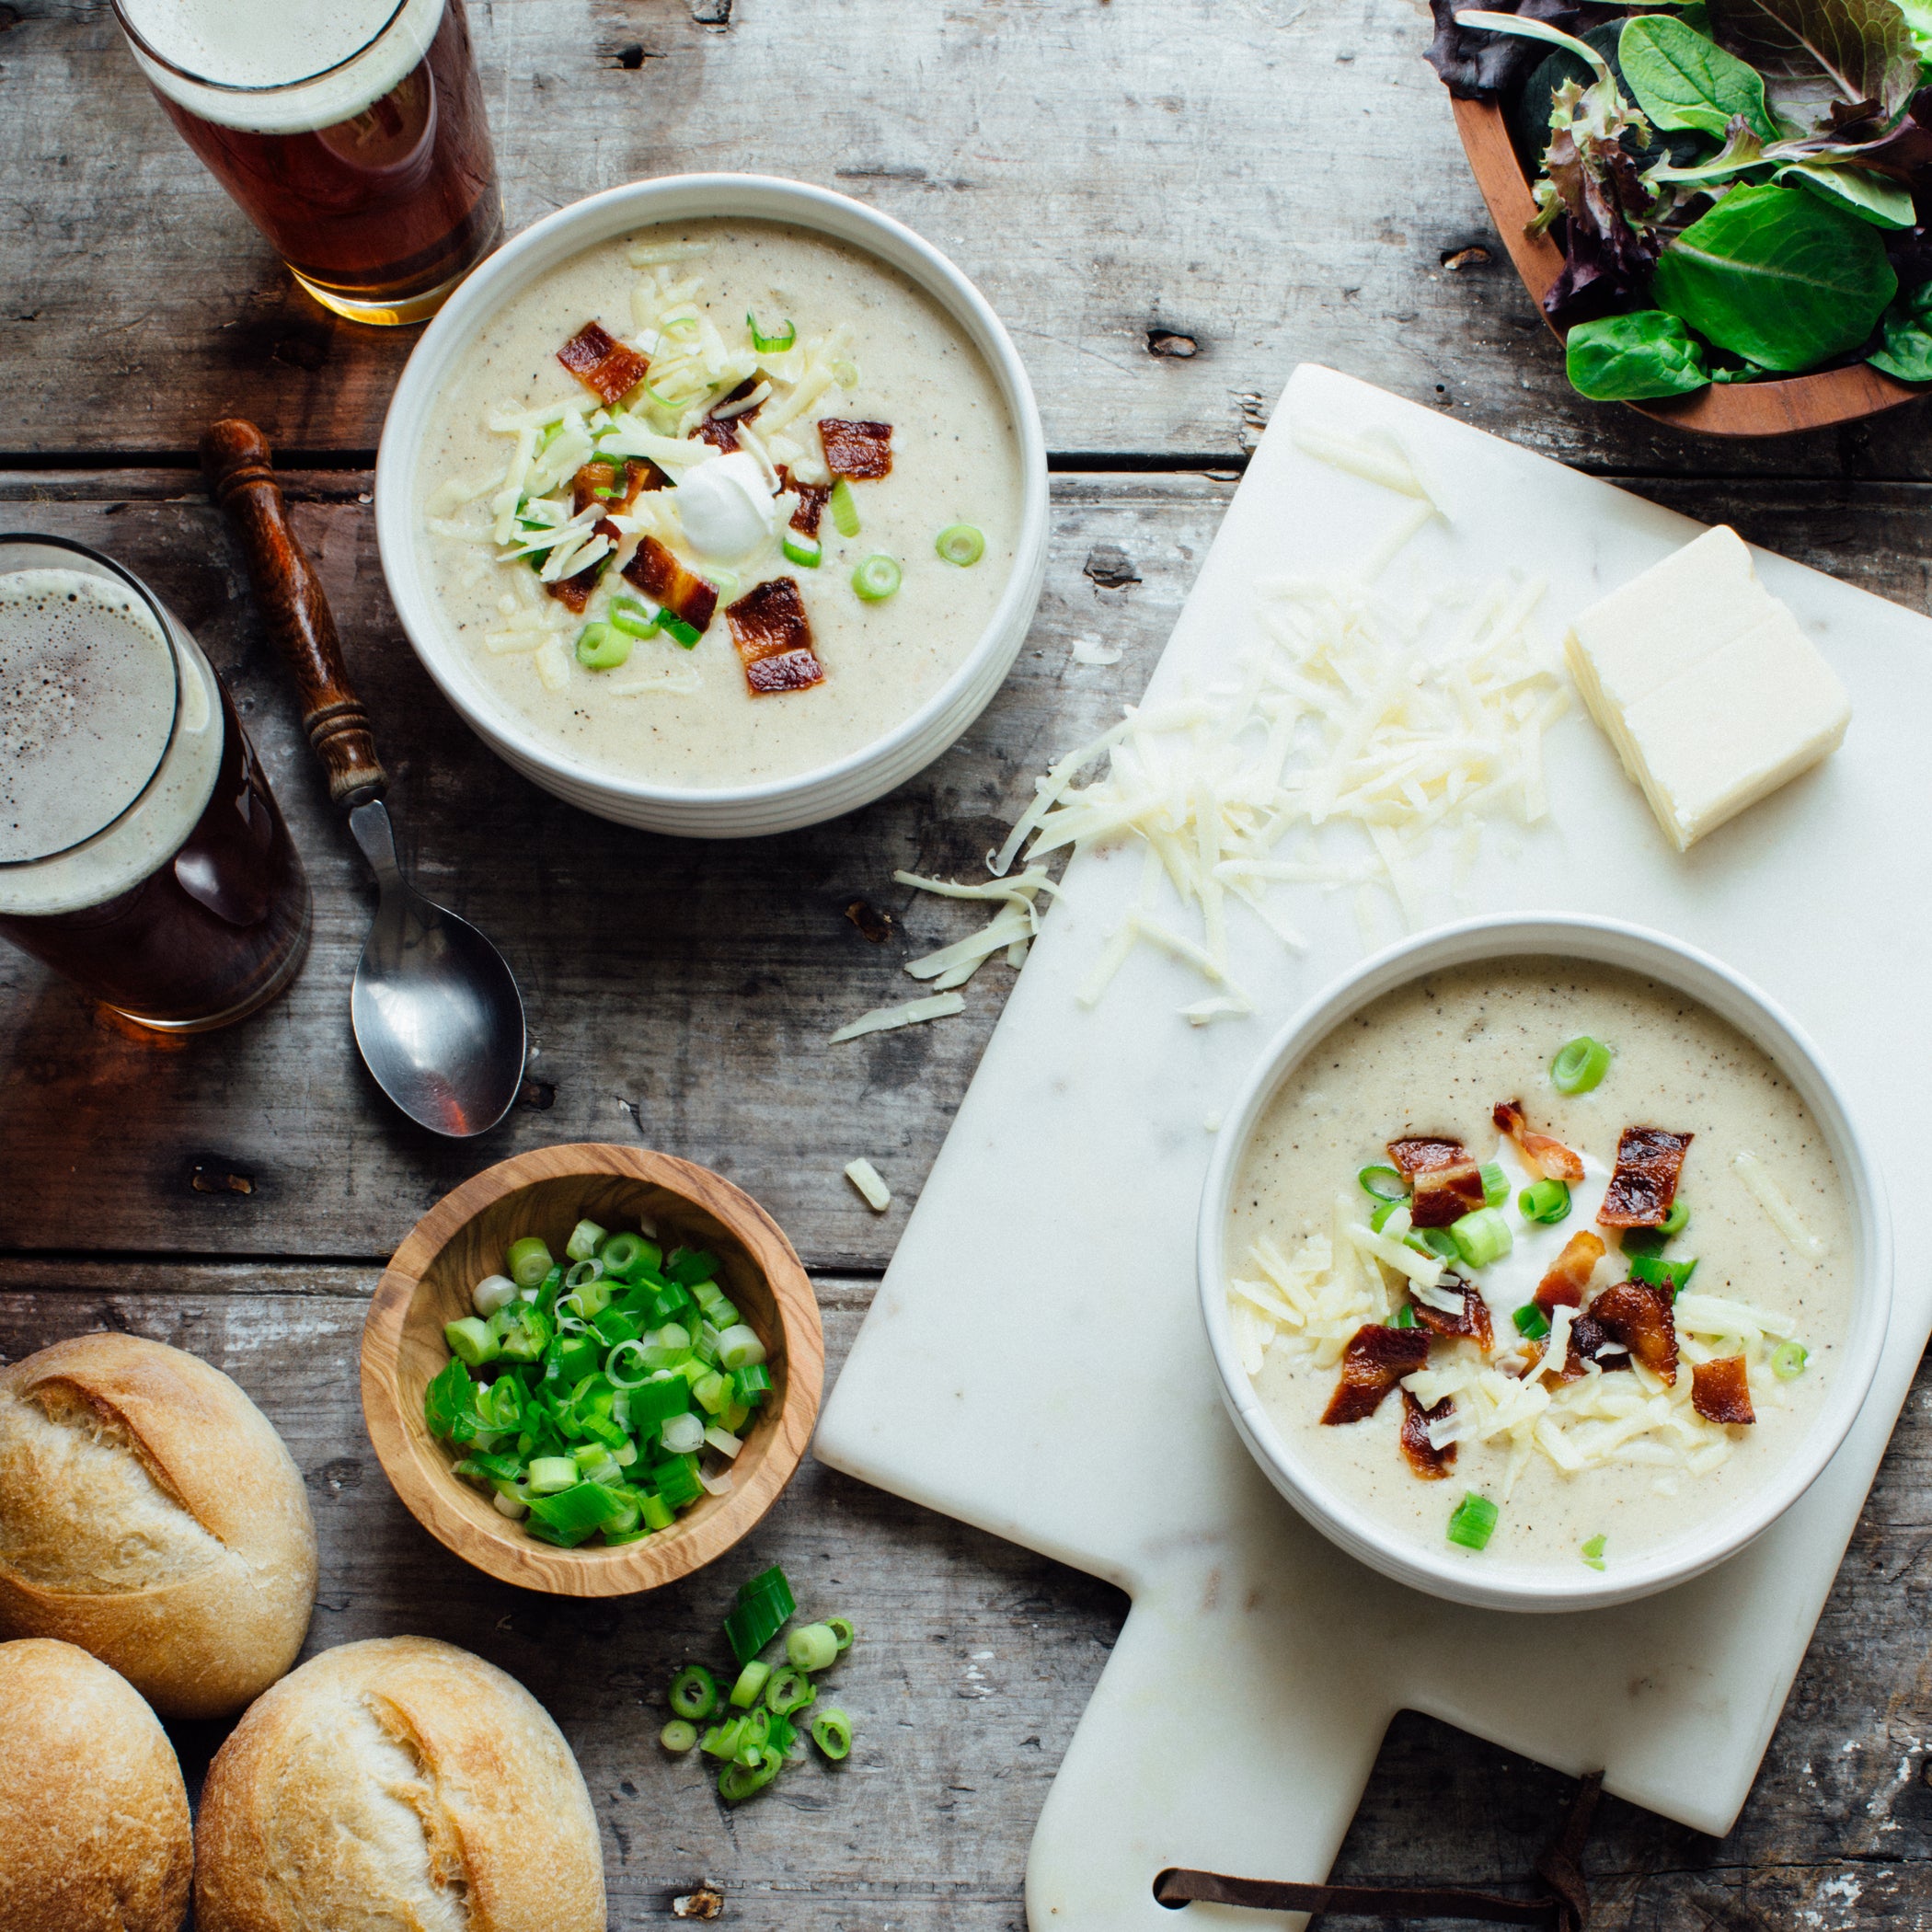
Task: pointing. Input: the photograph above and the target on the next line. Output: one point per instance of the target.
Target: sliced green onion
(832, 1733)
(1532, 1324)
(1473, 1521)
(621, 1253)
(658, 1513)
(493, 1292)
(723, 1740)
(1382, 1183)
(527, 1261)
(844, 509)
(1642, 1240)
(1495, 1183)
(759, 1614)
(789, 1689)
(739, 1347)
(752, 1680)
(694, 1693)
(751, 1385)
(601, 648)
(807, 552)
(1579, 1066)
(677, 1737)
(841, 1629)
(1437, 1241)
(635, 620)
(1482, 1237)
(678, 630)
(1404, 1317)
(1379, 1215)
(1544, 1201)
(551, 1475)
(584, 1237)
(1787, 1359)
(1594, 1552)
(1675, 1221)
(1660, 1273)
(774, 344)
(470, 1341)
(961, 544)
(737, 1782)
(876, 579)
(812, 1647)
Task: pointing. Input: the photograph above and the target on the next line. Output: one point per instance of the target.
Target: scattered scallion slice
(528, 1261)
(1382, 1183)
(775, 343)
(1473, 1521)
(470, 1340)
(1379, 1215)
(961, 544)
(812, 1647)
(1675, 1221)
(694, 1693)
(832, 1733)
(1788, 1359)
(1495, 1183)
(1579, 1066)
(876, 579)
(1482, 1237)
(739, 1781)
(1594, 1552)
(751, 1682)
(789, 1690)
(582, 1244)
(1404, 1317)
(844, 507)
(601, 647)
(842, 1631)
(678, 630)
(633, 618)
(759, 1614)
(1437, 1241)
(1658, 1272)
(807, 552)
(1532, 1324)
(1544, 1201)
(678, 1736)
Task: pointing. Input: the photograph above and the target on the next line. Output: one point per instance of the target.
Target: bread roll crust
(94, 1833)
(150, 1513)
(397, 1782)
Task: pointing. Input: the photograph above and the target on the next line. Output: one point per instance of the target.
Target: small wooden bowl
(546, 1192)
(1762, 409)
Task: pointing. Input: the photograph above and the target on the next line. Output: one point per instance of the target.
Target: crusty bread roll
(150, 1513)
(93, 1815)
(397, 1782)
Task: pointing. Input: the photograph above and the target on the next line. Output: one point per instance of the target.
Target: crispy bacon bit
(721, 427)
(860, 450)
(589, 484)
(1428, 1462)
(1639, 1317)
(1373, 1363)
(723, 436)
(1720, 1392)
(1422, 1152)
(1471, 1323)
(769, 629)
(1444, 1195)
(1541, 1155)
(662, 578)
(812, 507)
(574, 591)
(1588, 1338)
(604, 365)
(1644, 1182)
(1563, 1286)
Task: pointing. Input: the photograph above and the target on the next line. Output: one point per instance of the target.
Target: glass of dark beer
(350, 131)
(142, 855)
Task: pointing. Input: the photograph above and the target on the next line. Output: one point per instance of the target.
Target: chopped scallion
(1675, 1221)
(599, 647)
(775, 343)
(961, 544)
(1437, 1241)
(1532, 1324)
(876, 579)
(752, 1680)
(832, 1733)
(1594, 1552)
(1473, 1521)
(582, 1244)
(633, 618)
(807, 552)
(1482, 1237)
(1495, 1183)
(1579, 1066)
(1404, 1317)
(812, 1647)
(759, 1614)
(1660, 1273)
(677, 1737)
(470, 1341)
(678, 631)
(1378, 1215)
(739, 1781)
(789, 1690)
(1544, 1201)
(694, 1693)
(1382, 1183)
(842, 1631)
(844, 507)
(1788, 1359)
(528, 1261)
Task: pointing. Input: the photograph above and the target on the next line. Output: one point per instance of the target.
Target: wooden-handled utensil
(436, 1012)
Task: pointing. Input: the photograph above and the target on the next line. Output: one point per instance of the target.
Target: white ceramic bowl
(782, 804)
(1608, 942)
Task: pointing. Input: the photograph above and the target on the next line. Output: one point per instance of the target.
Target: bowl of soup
(1543, 1263)
(716, 505)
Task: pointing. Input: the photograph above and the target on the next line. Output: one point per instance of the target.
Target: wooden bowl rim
(1769, 408)
(509, 1554)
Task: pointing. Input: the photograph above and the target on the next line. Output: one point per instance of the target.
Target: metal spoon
(435, 1010)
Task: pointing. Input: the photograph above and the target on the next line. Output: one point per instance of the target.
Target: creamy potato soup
(1541, 1263)
(718, 503)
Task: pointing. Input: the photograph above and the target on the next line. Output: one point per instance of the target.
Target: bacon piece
(574, 591)
(1587, 1341)
(860, 450)
(1373, 1363)
(1424, 1458)
(1444, 1195)
(1563, 1286)
(1472, 1324)
(719, 429)
(721, 436)
(811, 501)
(1644, 1182)
(773, 638)
(1541, 1155)
(1420, 1152)
(602, 365)
(1639, 1317)
(662, 578)
(589, 484)
(1720, 1392)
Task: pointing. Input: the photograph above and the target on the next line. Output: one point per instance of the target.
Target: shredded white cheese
(1777, 1205)
(883, 1019)
(868, 1179)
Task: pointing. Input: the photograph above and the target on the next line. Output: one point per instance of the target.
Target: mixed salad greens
(1735, 183)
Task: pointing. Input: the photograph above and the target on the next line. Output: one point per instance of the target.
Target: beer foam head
(303, 64)
(87, 696)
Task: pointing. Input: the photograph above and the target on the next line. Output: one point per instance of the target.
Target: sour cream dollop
(726, 506)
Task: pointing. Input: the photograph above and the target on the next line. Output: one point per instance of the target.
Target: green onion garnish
(844, 509)
(678, 630)
(1482, 1237)
(1495, 1183)
(1404, 1317)
(832, 1733)
(1473, 1521)
(527, 1262)
(789, 1690)
(677, 1737)
(876, 579)
(842, 1631)
(1659, 1273)
(807, 552)
(1594, 1552)
(771, 344)
(1643, 1240)
(739, 1781)
(1532, 1324)
(635, 619)
(1437, 1241)
(584, 1237)
(751, 1684)
(759, 1613)
(1579, 1066)
(812, 1647)
(1675, 1221)
(1787, 1359)
(1382, 1183)
(601, 647)
(1544, 1201)
(694, 1693)
(961, 544)
(470, 1341)
(1378, 1216)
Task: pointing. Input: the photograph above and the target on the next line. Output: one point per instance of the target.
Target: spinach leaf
(1682, 80)
(1777, 276)
(1862, 47)
(1907, 351)
(1627, 357)
(1873, 198)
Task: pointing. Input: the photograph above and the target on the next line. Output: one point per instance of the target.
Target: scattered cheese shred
(1769, 1196)
(883, 1019)
(868, 1179)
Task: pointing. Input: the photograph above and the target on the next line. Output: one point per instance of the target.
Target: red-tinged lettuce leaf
(1476, 64)
(1863, 48)
(1608, 254)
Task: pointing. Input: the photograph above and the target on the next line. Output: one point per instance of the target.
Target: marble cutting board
(1034, 1362)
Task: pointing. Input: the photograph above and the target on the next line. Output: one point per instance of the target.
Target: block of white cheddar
(1711, 694)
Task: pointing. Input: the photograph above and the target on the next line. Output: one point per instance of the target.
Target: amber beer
(350, 131)
(142, 855)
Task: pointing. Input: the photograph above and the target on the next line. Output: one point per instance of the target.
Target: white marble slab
(1034, 1362)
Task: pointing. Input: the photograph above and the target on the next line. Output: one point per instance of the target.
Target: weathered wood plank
(1269, 183)
(678, 991)
(978, 1658)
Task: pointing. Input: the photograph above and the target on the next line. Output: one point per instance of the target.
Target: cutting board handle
(241, 478)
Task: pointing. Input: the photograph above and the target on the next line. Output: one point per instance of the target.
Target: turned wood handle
(240, 477)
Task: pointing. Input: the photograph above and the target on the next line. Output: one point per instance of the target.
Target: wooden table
(1171, 201)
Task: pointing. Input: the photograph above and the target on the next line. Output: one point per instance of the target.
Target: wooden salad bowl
(1759, 409)
(546, 1192)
